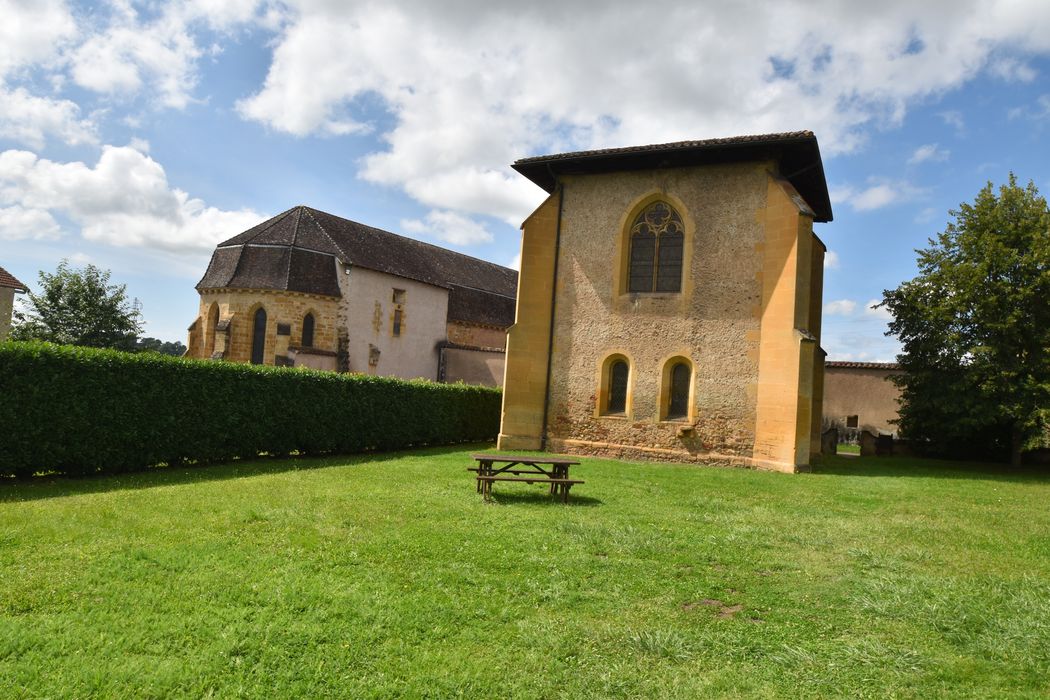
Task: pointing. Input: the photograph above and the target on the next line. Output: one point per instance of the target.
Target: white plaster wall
(412, 355)
(7, 300)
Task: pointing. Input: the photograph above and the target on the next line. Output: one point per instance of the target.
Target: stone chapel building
(309, 289)
(669, 303)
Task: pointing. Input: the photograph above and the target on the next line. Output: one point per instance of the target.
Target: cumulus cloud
(840, 307)
(876, 195)
(472, 86)
(18, 223)
(124, 200)
(33, 32)
(831, 260)
(929, 152)
(881, 313)
(128, 53)
(28, 119)
(449, 227)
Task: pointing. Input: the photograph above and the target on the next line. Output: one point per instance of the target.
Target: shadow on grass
(542, 498)
(41, 487)
(931, 469)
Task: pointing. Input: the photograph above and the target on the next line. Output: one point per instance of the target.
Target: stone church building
(669, 304)
(309, 289)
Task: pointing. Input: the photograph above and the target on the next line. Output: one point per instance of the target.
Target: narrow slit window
(259, 337)
(617, 387)
(656, 240)
(678, 396)
(396, 330)
(308, 331)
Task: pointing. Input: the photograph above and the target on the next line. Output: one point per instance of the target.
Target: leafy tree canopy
(173, 348)
(975, 327)
(79, 307)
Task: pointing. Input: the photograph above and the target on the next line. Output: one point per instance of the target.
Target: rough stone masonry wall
(712, 322)
(238, 306)
(7, 300)
(476, 335)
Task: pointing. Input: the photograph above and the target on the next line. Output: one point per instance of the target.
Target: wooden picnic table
(529, 469)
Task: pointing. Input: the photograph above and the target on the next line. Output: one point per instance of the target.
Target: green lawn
(386, 576)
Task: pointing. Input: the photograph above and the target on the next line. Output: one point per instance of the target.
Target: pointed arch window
(308, 331)
(259, 336)
(618, 372)
(678, 394)
(656, 238)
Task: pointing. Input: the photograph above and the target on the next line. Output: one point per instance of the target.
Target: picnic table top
(523, 459)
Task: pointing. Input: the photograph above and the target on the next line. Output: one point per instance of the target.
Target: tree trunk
(1016, 440)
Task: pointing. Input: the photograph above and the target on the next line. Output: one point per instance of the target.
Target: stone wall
(712, 323)
(866, 393)
(473, 366)
(234, 310)
(476, 335)
(7, 300)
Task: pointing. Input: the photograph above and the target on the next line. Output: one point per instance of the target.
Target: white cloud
(128, 53)
(831, 260)
(472, 86)
(1011, 69)
(881, 313)
(929, 152)
(449, 227)
(1037, 112)
(515, 263)
(840, 307)
(18, 223)
(32, 32)
(876, 195)
(29, 119)
(123, 200)
(954, 119)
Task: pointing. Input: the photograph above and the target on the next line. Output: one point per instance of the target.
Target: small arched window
(210, 330)
(618, 372)
(259, 336)
(656, 238)
(678, 394)
(308, 331)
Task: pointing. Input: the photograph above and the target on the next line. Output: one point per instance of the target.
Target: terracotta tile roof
(861, 365)
(10, 281)
(796, 151)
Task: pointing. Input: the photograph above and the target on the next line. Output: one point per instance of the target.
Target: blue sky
(135, 136)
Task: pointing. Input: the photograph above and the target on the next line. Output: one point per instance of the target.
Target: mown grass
(386, 576)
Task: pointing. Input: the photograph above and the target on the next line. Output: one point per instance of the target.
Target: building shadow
(43, 487)
(912, 467)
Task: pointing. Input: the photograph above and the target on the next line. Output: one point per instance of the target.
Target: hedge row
(76, 410)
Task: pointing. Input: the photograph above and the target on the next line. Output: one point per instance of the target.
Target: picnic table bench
(530, 469)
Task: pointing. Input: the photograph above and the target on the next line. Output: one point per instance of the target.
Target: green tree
(975, 328)
(79, 307)
(173, 348)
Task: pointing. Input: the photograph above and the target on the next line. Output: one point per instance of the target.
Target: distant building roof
(10, 281)
(297, 249)
(796, 151)
(862, 365)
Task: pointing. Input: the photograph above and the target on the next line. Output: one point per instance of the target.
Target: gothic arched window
(259, 337)
(656, 238)
(618, 372)
(678, 395)
(308, 331)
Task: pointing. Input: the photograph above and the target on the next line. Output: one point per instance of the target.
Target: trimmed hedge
(75, 410)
